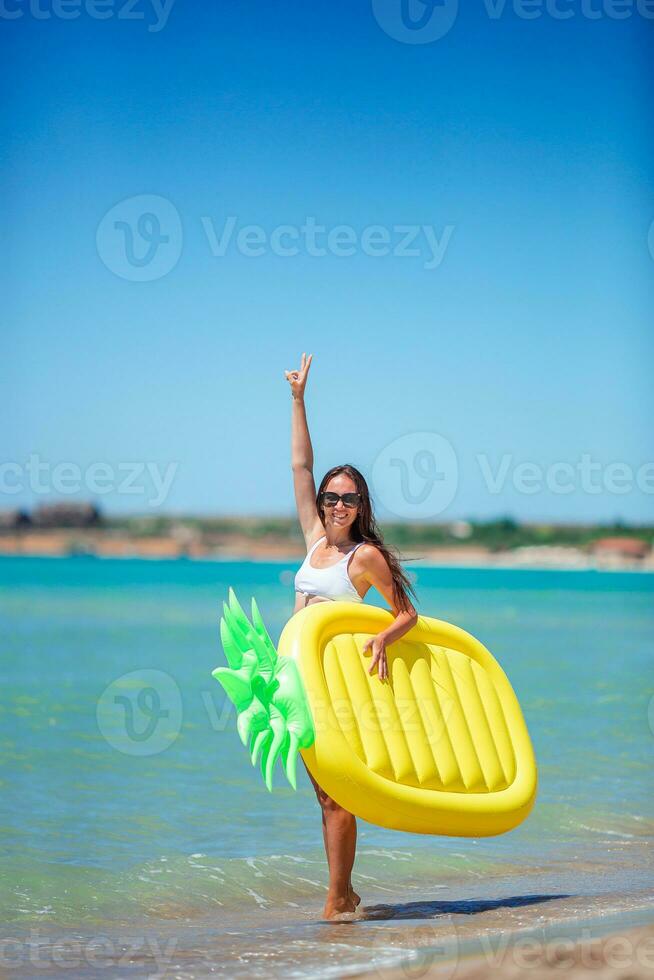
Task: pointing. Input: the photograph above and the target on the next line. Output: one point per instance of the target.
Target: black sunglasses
(330, 499)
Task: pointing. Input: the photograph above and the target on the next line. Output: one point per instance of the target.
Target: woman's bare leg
(339, 830)
(325, 837)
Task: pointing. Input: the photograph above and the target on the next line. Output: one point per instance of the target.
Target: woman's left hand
(378, 645)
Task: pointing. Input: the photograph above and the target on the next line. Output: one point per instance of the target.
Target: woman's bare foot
(341, 907)
(354, 896)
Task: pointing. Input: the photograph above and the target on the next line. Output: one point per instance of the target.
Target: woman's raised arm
(302, 455)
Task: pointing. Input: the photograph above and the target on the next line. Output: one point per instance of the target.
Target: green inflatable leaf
(289, 758)
(237, 686)
(232, 652)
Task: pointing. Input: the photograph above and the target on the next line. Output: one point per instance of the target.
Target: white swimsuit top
(332, 582)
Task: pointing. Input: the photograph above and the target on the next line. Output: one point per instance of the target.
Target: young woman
(345, 556)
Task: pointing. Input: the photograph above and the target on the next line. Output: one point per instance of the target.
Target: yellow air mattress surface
(439, 748)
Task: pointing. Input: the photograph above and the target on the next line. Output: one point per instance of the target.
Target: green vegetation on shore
(498, 535)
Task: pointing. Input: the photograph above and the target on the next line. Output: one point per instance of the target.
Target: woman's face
(340, 515)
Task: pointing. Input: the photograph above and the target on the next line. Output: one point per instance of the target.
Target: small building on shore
(66, 514)
(14, 520)
(620, 550)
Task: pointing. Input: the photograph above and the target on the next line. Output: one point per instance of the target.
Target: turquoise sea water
(143, 818)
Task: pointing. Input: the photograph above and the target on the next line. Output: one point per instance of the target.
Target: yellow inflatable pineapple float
(441, 747)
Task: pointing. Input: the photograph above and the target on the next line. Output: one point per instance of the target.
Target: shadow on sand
(432, 910)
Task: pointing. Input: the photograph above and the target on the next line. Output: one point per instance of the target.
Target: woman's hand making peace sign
(298, 379)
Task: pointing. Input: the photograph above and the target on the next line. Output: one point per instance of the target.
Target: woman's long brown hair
(365, 529)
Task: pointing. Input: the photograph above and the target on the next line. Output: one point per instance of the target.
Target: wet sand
(538, 936)
(623, 955)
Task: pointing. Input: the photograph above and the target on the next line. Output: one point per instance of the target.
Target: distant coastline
(64, 531)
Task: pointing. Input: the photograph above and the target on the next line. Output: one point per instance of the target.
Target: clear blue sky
(531, 340)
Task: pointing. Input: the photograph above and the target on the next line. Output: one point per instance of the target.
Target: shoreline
(64, 545)
(78, 529)
(605, 936)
